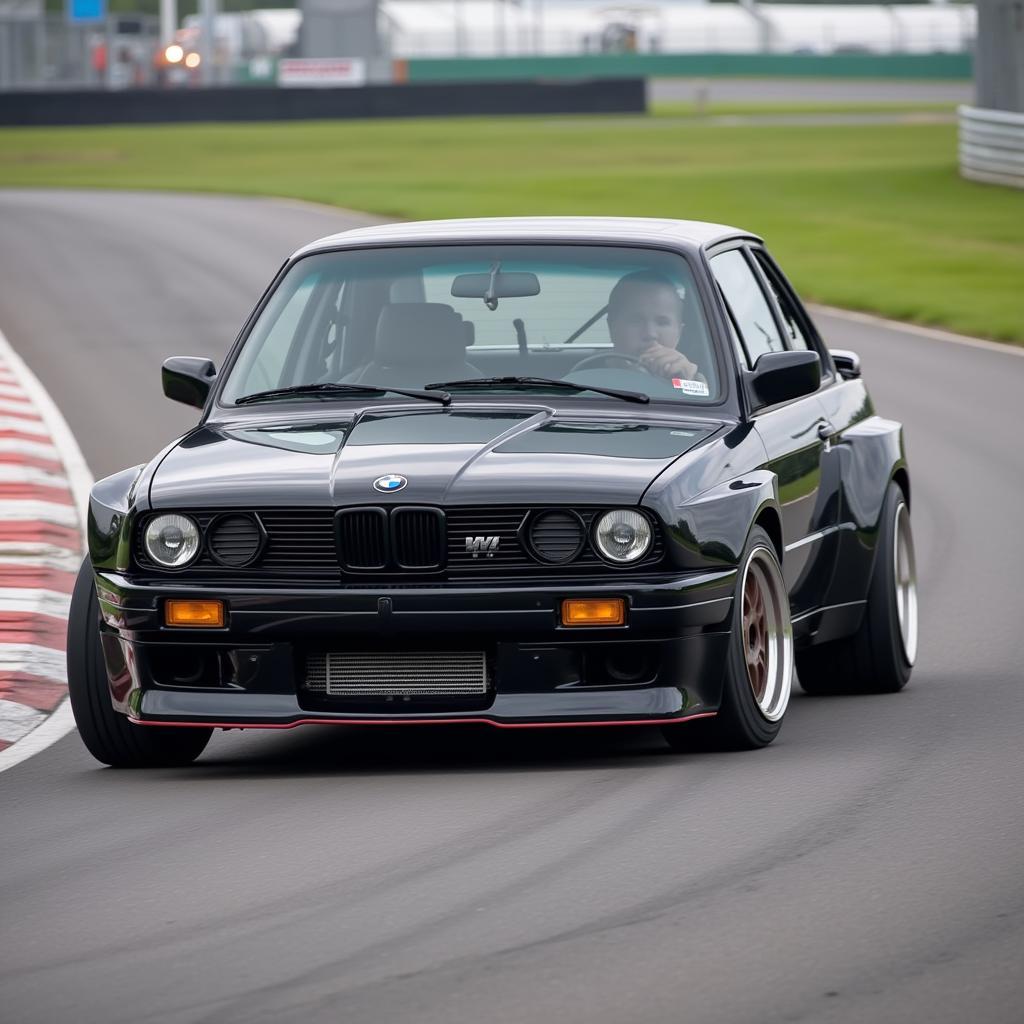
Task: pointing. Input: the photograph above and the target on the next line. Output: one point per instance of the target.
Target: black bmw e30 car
(524, 472)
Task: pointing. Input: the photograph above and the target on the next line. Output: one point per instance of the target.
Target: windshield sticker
(691, 387)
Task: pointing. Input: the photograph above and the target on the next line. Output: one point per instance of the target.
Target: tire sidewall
(739, 705)
(106, 733)
(86, 669)
(882, 595)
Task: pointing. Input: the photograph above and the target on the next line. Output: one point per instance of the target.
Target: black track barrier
(252, 103)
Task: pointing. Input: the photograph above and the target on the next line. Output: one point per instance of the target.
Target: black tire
(741, 724)
(108, 734)
(874, 659)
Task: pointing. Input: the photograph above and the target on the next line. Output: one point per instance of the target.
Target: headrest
(419, 333)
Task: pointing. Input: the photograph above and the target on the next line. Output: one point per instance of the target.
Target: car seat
(416, 343)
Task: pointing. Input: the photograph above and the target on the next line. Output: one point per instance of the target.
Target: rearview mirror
(188, 379)
(512, 285)
(783, 376)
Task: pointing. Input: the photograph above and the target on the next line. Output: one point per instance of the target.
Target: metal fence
(992, 146)
(46, 51)
(50, 52)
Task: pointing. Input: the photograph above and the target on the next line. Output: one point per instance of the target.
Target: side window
(747, 303)
(795, 335)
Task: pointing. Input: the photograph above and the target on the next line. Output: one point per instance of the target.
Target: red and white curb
(44, 490)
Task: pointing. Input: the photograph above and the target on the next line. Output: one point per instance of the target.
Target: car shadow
(395, 750)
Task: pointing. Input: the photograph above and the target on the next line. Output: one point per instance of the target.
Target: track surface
(867, 866)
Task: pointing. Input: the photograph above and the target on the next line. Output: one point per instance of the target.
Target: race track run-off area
(866, 866)
(43, 484)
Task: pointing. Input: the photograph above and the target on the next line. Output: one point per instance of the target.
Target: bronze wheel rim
(755, 636)
(767, 634)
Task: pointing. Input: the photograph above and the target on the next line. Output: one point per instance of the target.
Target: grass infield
(871, 217)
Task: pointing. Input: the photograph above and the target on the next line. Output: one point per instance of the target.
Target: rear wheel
(108, 734)
(759, 667)
(879, 657)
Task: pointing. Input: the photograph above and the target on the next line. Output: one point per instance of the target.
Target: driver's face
(645, 315)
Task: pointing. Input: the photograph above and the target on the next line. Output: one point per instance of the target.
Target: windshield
(602, 316)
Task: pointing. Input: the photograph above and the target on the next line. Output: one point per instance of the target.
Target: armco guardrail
(992, 146)
(248, 103)
(687, 65)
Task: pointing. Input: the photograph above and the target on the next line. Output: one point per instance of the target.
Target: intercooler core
(397, 673)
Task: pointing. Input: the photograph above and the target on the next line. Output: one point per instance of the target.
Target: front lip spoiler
(605, 723)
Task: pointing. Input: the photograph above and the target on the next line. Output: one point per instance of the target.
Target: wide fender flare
(872, 454)
(111, 502)
(712, 527)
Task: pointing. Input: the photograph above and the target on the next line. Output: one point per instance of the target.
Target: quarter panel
(870, 449)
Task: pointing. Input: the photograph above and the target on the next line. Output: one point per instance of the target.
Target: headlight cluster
(623, 535)
(171, 540)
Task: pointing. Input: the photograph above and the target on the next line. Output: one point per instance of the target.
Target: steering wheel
(603, 358)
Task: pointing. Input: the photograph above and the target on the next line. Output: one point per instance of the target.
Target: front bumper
(665, 664)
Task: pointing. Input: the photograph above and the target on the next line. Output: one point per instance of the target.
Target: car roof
(689, 234)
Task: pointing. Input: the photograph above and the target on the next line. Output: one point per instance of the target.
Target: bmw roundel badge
(391, 482)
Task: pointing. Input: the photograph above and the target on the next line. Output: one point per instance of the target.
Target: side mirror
(847, 363)
(188, 379)
(783, 376)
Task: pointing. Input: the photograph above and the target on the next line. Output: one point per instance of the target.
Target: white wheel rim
(766, 634)
(905, 582)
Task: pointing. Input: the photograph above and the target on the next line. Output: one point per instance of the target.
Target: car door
(846, 402)
(796, 434)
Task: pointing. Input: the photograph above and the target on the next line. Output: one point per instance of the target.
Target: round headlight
(623, 535)
(172, 540)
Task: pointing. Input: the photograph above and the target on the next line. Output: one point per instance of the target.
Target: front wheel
(878, 658)
(759, 667)
(108, 734)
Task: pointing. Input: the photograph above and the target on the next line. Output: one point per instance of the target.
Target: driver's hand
(661, 361)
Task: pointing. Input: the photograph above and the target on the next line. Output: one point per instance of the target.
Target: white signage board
(321, 71)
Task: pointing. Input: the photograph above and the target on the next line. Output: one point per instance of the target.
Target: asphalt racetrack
(869, 866)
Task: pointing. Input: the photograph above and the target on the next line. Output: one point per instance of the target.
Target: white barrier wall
(992, 146)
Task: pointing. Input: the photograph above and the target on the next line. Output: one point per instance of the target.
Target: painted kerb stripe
(44, 490)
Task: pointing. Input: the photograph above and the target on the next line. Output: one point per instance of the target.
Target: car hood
(448, 457)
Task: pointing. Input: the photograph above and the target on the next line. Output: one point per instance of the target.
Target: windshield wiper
(541, 382)
(328, 388)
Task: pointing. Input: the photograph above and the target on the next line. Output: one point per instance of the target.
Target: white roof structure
(532, 229)
(488, 28)
(910, 28)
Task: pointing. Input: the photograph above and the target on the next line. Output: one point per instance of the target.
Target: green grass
(870, 217)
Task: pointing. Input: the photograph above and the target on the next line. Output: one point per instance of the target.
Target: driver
(645, 321)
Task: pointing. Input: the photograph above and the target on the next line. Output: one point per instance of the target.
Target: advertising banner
(321, 71)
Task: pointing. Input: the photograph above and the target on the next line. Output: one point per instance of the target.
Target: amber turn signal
(194, 613)
(593, 611)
